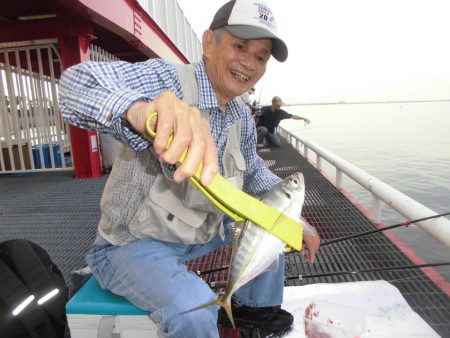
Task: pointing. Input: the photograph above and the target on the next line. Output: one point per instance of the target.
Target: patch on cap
(250, 20)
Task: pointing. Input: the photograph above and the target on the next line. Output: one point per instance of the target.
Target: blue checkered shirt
(94, 95)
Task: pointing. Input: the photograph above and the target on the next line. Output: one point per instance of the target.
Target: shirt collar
(207, 96)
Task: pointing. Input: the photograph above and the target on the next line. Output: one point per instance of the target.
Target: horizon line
(363, 102)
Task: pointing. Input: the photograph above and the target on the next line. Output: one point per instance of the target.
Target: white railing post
(338, 178)
(438, 228)
(376, 209)
(318, 162)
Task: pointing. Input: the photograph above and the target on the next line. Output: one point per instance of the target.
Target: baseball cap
(277, 100)
(248, 20)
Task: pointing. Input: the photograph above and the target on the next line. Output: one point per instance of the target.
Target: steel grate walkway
(61, 214)
(335, 216)
(54, 210)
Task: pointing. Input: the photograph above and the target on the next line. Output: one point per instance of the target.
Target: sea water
(406, 145)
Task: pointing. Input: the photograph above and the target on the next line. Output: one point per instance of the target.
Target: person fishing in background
(269, 118)
(254, 109)
(152, 221)
(246, 97)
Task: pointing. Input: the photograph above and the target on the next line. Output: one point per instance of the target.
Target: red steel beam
(127, 19)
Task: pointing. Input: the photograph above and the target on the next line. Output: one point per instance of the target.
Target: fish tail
(223, 301)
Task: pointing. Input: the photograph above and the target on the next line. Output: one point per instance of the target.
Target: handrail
(438, 228)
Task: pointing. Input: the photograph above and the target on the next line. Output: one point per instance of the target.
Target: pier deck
(61, 214)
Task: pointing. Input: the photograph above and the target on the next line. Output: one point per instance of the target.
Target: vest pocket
(163, 215)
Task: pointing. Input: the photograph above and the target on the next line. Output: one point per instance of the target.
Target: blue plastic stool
(93, 313)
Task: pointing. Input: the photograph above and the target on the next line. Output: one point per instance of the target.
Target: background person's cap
(277, 100)
(249, 20)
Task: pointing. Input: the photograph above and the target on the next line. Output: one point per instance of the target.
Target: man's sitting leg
(261, 133)
(273, 139)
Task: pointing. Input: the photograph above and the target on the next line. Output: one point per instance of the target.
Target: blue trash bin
(46, 155)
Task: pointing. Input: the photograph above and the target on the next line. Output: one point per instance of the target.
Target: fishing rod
(207, 271)
(354, 272)
(365, 233)
(341, 239)
(223, 284)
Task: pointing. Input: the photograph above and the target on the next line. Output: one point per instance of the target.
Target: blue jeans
(153, 275)
(263, 133)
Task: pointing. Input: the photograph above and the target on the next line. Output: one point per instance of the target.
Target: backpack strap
(13, 294)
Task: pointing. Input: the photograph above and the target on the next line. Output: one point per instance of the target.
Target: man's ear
(207, 42)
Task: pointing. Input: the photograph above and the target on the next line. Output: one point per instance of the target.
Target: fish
(254, 249)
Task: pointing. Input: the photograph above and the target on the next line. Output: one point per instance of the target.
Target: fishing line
(205, 272)
(420, 278)
(365, 233)
(341, 239)
(223, 284)
(354, 272)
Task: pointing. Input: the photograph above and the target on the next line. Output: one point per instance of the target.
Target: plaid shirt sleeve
(94, 95)
(258, 178)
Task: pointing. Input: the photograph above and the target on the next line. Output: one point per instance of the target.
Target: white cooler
(97, 313)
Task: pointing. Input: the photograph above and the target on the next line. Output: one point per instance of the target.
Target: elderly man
(152, 220)
(269, 118)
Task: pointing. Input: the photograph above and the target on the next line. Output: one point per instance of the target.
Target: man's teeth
(240, 75)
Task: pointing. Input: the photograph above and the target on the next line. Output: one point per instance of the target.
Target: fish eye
(295, 182)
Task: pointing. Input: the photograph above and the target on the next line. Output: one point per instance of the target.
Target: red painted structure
(120, 27)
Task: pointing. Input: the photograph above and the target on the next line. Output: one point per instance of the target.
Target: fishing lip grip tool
(239, 205)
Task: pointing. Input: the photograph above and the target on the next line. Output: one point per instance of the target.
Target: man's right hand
(190, 130)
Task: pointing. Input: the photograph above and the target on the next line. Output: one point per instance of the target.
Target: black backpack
(33, 293)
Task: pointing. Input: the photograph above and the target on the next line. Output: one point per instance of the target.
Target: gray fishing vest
(141, 200)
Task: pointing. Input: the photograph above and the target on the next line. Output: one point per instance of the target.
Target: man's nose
(248, 60)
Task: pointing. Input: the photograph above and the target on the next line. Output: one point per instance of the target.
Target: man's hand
(190, 130)
(311, 242)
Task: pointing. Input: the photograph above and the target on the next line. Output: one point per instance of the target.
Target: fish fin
(224, 301)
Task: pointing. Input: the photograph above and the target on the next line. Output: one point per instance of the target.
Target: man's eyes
(261, 59)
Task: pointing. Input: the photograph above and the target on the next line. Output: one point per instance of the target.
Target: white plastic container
(330, 320)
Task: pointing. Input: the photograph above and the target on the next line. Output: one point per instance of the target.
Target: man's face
(275, 107)
(234, 65)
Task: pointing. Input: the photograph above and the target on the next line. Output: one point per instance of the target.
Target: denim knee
(194, 324)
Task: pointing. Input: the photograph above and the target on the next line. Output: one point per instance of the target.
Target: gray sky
(352, 50)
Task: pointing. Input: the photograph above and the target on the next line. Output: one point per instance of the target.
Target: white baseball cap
(248, 20)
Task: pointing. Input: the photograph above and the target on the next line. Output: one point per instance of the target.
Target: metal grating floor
(54, 210)
(335, 216)
(61, 214)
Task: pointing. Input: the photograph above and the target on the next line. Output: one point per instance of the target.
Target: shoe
(271, 319)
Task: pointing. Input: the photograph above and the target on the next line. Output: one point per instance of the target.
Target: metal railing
(170, 17)
(438, 228)
(32, 134)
